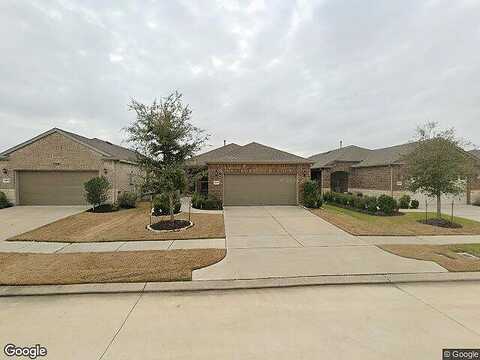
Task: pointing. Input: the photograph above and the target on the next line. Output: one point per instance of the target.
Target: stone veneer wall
(216, 173)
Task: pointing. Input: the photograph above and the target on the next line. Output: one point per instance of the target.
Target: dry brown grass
(104, 267)
(123, 225)
(362, 224)
(446, 256)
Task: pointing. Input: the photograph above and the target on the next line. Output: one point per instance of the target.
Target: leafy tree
(96, 191)
(438, 165)
(164, 137)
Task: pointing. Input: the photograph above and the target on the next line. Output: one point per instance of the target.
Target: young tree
(438, 165)
(164, 137)
(96, 191)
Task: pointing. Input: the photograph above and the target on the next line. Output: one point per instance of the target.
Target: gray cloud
(298, 76)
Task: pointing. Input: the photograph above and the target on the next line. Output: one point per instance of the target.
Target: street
(330, 322)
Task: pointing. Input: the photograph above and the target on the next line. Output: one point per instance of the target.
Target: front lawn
(123, 225)
(104, 267)
(362, 224)
(447, 256)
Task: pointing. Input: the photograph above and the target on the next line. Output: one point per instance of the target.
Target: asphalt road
(331, 322)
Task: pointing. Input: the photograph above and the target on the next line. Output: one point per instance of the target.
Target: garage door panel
(53, 187)
(260, 190)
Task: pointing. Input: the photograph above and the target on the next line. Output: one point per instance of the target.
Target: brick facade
(216, 173)
(56, 152)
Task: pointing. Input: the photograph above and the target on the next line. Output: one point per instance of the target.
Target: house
(371, 172)
(253, 174)
(51, 168)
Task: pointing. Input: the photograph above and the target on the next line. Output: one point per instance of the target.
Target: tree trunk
(170, 202)
(439, 206)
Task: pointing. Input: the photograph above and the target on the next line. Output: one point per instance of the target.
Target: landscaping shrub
(414, 204)
(127, 200)
(387, 204)
(161, 204)
(212, 203)
(96, 191)
(328, 196)
(4, 203)
(209, 202)
(359, 202)
(404, 202)
(371, 204)
(311, 195)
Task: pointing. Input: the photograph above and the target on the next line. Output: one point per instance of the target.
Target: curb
(211, 285)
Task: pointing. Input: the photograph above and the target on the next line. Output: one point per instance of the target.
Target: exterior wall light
(105, 171)
(4, 171)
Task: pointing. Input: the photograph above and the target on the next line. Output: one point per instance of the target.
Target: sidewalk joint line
(123, 323)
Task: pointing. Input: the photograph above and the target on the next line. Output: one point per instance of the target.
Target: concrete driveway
(19, 219)
(285, 241)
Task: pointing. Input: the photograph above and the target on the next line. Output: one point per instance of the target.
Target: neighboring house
(254, 174)
(51, 168)
(371, 172)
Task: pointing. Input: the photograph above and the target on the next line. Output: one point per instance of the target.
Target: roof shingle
(349, 153)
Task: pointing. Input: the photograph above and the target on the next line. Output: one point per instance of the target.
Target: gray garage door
(260, 190)
(53, 187)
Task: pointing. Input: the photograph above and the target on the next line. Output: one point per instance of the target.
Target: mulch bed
(104, 267)
(441, 223)
(170, 225)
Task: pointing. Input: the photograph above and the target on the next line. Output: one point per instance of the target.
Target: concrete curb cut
(209, 285)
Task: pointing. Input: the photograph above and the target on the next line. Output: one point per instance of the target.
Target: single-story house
(51, 168)
(372, 172)
(253, 174)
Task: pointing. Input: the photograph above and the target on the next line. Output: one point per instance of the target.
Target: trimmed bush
(209, 202)
(96, 191)
(371, 204)
(311, 195)
(414, 204)
(404, 202)
(387, 204)
(161, 204)
(4, 203)
(328, 196)
(360, 203)
(127, 200)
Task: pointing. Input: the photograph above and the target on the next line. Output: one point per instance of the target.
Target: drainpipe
(391, 180)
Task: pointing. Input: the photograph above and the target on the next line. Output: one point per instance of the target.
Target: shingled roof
(387, 156)
(202, 159)
(349, 153)
(106, 148)
(475, 152)
(256, 153)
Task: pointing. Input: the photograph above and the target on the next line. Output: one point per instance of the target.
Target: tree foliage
(96, 191)
(438, 165)
(164, 137)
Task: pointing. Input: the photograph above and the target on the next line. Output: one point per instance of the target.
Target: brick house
(51, 168)
(253, 174)
(372, 172)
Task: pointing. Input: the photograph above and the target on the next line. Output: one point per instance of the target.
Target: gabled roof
(107, 149)
(202, 159)
(349, 153)
(387, 156)
(255, 153)
(475, 153)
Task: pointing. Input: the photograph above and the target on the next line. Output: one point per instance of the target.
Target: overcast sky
(300, 76)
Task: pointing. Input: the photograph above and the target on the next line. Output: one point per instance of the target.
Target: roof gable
(349, 153)
(202, 159)
(103, 147)
(258, 153)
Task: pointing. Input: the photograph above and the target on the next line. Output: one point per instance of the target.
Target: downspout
(391, 180)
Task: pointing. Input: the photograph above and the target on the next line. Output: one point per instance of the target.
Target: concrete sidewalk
(56, 247)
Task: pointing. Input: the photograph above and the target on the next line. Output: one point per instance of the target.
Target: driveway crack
(283, 227)
(123, 323)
